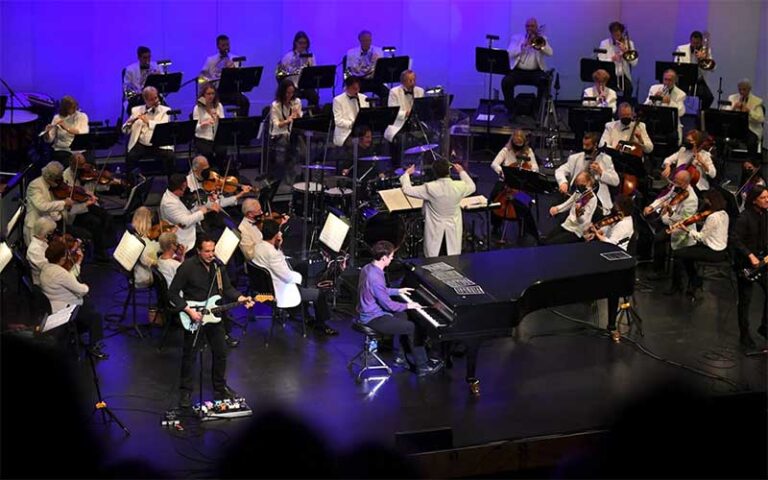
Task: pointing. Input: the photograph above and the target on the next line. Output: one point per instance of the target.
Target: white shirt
(607, 100)
(622, 66)
(284, 280)
(620, 233)
(681, 211)
(135, 77)
(36, 258)
(577, 163)
(685, 157)
(293, 64)
(215, 64)
(399, 98)
(40, 203)
(280, 113)
(345, 111)
(714, 233)
(142, 132)
(199, 113)
(362, 64)
(173, 210)
(167, 267)
(578, 225)
(527, 58)
(61, 287)
(756, 113)
(62, 139)
(615, 132)
(142, 274)
(193, 185)
(250, 236)
(506, 158)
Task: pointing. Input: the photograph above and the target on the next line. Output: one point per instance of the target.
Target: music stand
(3, 104)
(588, 119)
(658, 120)
(493, 61)
(237, 131)
(101, 139)
(389, 69)
(726, 125)
(126, 255)
(235, 81)
(317, 77)
(687, 74)
(164, 83)
(173, 133)
(588, 66)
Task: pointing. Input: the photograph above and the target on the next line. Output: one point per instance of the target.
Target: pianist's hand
(405, 290)
(413, 306)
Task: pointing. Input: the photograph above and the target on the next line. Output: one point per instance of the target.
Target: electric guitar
(754, 273)
(212, 311)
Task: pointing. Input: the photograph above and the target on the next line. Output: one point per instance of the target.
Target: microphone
(174, 112)
(557, 81)
(491, 37)
(599, 50)
(589, 99)
(238, 59)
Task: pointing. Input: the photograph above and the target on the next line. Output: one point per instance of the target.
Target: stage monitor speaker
(420, 441)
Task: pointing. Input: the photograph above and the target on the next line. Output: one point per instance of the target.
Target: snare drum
(297, 198)
(383, 226)
(340, 198)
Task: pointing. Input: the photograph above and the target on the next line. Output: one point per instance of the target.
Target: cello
(506, 209)
(634, 149)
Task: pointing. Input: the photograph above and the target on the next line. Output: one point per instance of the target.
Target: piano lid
(504, 275)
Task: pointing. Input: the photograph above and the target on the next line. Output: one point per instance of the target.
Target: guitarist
(749, 239)
(198, 279)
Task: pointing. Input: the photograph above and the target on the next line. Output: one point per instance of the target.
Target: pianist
(378, 311)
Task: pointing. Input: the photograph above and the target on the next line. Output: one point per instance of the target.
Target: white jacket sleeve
(469, 184)
(279, 268)
(419, 191)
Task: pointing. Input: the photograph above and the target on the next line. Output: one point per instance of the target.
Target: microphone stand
(13, 95)
(719, 92)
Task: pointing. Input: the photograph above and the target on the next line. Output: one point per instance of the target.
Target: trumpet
(706, 63)
(536, 40)
(630, 55)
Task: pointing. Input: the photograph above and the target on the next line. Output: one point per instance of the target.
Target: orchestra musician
(692, 154)
(293, 62)
(284, 110)
(667, 94)
(43, 233)
(615, 47)
(378, 311)
(60, 133)
(141, 125)
(142, 224)
(694, 52)
(287, 283)
(345, 109)
(361, 62)
(171, 255)
(173, 211)
(711, 243)
(442, 211)
(581, 206)
(749, 239)
(528, 67)
(208, 111)
(750, 178)
(598, 165)
(211, 72)
(136, 76)
(603, 96)
(744, 101)
(401, 96)
(619, 233)
(620, 130)
(365, 148)
(250, 226)
(198, 278)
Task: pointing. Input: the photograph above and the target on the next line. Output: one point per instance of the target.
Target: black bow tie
(356, 98)
(144, 67)
(408, 93)
(223, 56)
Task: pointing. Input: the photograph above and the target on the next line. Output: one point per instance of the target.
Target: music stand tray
(625, 163)
(431, 109)
(378, 119)
(491, 60)
(528, 181)
(317, 77)
(173, 133)
(658, 120)
(316, 123)
(239, 80)
(165, 84)
(588, 119)
(236, 131)
(726, 124)
(102, 139)
(687, 74)
(388, 70)
(588, 66)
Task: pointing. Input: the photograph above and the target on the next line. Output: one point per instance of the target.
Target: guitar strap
(219, 284)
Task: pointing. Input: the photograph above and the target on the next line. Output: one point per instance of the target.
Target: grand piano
(478, 296)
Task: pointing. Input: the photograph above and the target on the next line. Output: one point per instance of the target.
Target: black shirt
(750, 233)
(195, 280)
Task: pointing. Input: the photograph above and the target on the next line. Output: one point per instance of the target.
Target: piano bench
(367, 359)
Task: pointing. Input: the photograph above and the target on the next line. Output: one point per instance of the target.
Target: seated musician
(208, 110)
(668, 94)
(711, 243)
(136, 76)
(284, 110)
(601, 95)
(287, 283)
(750, 177)
(598, 165)
(212, 69)
(402, 97)
(63, 289)
(292, 63)
(528, 67)
(378, 311)
(442, 211)
(361, 62)
(693, 52)
(516, 153)
(615, 46)
(250, 226)
(197, 279)
(345, 109)
(141, 125)
(171, 256)
(744, 101)
(581, 206)
(749, 239)
(365, 149)
(173, 210)
(44, 232)
(619, 130)
(616, 232)
(691, 153)
(142, 223)
(679, 203)
(60, 133)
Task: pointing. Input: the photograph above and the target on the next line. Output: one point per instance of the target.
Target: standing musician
(619, 130)
(581, 206)
(284, 110)
(442, 211)
(207, 111)
(361, 62)
(141, 125)
(749, 239)
(691, 155)
(516, 153)
(695, 52)
(744, 101)
(679, 203)
(60, 133)
(526, 58)
(136, 76)
(345, 109)
(599, 95)
(615, 49)
(711, 242)
(211, 72)
(598, 165)
(667, 94)
(402, 96)
(197, 279)
(173, 210)
(292, 63)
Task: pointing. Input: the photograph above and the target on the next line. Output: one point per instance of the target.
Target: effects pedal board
(228, 408)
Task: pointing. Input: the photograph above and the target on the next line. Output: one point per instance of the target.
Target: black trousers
(704, 94)
(537, 78)
(216, 154)
(98, 222)
(686, 258)
(409, 338)
(626, 93)
(139, 151)
(61, 156)
(745, 292)
(661, 245)
(213, 333)
(559, 236)
(238, 99)
(89, 319)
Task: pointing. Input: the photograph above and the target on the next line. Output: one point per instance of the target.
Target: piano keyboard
(422, 312)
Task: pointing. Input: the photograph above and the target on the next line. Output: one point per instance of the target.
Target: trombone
(536, 40)
(706, 63)
(630, 55)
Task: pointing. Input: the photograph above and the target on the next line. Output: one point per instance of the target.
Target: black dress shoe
(231, 341)
(97, 353)
(763, 331)
(185, 400)
(430, 368)
(225, 394)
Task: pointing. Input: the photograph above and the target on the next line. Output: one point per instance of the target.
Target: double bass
(506, 209)
(634, 149)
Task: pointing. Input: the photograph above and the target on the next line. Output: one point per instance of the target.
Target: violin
(90, 173)
(695, 218)
(218, 183)
(278, 217)
(73, 247)
(581, 203)
(159, 228)
(62, 191)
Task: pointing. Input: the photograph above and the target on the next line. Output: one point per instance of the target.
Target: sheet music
(395, 200)
(334, 232)
(57, 319)
(436, 267)
(14, 220)
(471, 290)
(128, 251)
(5, 255)
(226, 245)
(473, 202)
(445, 275)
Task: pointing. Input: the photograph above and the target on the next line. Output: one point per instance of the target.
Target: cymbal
(318, 166)
(401, 171)
(421, 149)
(375, 158)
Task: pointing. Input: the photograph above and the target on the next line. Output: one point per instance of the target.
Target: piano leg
(473, 347)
